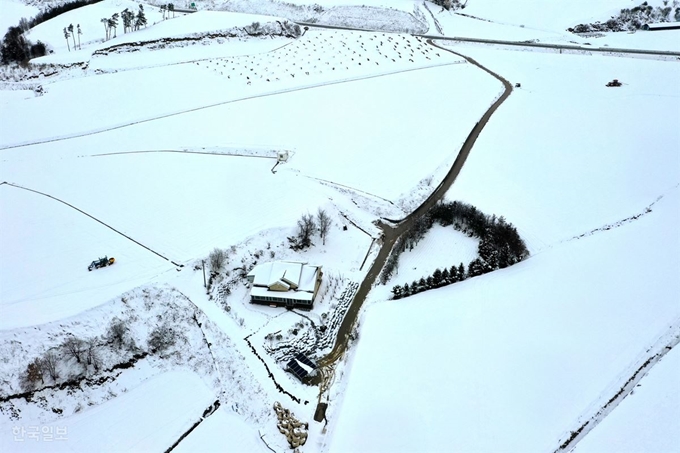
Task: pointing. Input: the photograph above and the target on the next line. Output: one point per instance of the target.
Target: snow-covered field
(510, 360)
(157, 153)
(440, 249)
(568, 154)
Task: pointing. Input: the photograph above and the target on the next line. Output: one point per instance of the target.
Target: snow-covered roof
(662, 26)
(297, 274)
(307, 280)
(266, 274)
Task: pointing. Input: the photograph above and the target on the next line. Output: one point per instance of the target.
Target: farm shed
(301, 366)
(290, 284)
(662, 26)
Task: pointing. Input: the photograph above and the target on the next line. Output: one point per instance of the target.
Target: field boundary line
(93, 218)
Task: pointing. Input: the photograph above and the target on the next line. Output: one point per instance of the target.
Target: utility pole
(204, 284)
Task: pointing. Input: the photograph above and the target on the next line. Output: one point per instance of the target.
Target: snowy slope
(511, 359)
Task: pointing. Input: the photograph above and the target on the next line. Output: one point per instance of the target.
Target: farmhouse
(290, 284)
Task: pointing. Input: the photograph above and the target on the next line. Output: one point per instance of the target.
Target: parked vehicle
(101, 262)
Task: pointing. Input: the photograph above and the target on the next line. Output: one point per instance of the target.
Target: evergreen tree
(15, 48)
(446, 276)
(397, 292)
(38, 50)
(105, 21)
(437, 278)
(113, 23)
(453, 274)
(475, 268)
(429, 283)
(66, 35)
(406, 291)
(127, 17)
(461, 273)
(414, 287)
(79, 33)
(140, 20)
(73, 35)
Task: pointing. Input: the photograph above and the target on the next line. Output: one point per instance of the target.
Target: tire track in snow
(93, 218)
(180, 152)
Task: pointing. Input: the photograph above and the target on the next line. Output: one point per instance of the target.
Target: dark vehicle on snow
(101, 262)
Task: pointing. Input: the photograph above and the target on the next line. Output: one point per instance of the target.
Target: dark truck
(101, 262)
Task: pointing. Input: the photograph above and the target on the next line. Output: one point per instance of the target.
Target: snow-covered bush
(633, 18)
(161, 338)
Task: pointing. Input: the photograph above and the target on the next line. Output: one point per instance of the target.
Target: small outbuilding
(301, 366)
(290, 284)
(661, 26)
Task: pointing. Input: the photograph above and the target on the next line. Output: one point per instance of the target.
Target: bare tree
(92, 356)
(306, 226)
(324, 222)
(74, 347)
(217, 259)
(49, 365)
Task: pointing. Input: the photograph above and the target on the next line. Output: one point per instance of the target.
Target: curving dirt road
(395, 228)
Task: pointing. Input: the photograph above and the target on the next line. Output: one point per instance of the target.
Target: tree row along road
(394, 229)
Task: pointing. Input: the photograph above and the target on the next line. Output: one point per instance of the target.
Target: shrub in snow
(161, 338)
(633, 18)
(118, 335)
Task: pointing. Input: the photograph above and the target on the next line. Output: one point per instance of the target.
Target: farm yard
(218, 133)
